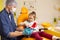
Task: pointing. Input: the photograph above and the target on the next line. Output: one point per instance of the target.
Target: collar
(7, 12)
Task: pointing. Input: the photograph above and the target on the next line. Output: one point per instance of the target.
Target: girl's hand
(22, 23)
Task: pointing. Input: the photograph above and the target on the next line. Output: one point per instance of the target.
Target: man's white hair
(11, 2)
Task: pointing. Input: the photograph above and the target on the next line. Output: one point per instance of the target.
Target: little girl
(33, 28)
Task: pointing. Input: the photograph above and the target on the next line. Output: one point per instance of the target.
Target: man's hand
(15, 34)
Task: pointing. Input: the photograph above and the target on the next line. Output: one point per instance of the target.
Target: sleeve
(26, 23)
(5, 27)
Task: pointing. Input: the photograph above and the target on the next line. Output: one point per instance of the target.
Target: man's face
(12, 8)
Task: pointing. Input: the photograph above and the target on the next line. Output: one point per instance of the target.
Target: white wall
(44, 9)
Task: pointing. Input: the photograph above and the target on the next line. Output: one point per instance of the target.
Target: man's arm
(5, 29)
(15, 34)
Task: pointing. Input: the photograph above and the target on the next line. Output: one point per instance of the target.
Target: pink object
(39, 35)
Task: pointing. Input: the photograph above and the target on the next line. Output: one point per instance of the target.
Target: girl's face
(31, 18)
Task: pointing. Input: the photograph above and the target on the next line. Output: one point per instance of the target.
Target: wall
(1, 4)
(45, 9)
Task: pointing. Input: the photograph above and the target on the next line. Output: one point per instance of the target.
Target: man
(7, 24)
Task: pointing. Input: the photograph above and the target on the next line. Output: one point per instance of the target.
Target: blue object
(6, 26)
(27, 31)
